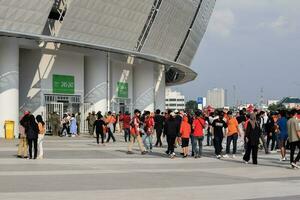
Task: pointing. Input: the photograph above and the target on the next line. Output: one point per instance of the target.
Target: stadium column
(9, 83)
(96, 81)
(143, 86)
(160, 85)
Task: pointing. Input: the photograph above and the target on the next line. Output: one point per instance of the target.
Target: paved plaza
(77, 168)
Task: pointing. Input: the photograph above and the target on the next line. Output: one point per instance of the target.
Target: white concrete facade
(96, 77)
(174, 100)
(9, 83)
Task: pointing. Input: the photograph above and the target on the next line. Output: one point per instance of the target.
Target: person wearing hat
(135, 133)
(171, 130)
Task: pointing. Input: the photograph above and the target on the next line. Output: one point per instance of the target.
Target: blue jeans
(147, 140)
(197, 145)
(233, 138)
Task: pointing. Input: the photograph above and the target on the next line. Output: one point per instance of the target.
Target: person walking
(42, 131)
(158, 126)
(91, 121)
(171, 130)
(232, 134)
(23, 146)
(65, 123)
(293, 128)
(185, 132)
(73, 126)
(99, 126)
(218, 127)
(135, 133)
(55, 123)
(78, 120)
(32, 131)
(252, 136)
(283, 134)
(198, 126)
(149, 127)
(126, 126)
(110, 121)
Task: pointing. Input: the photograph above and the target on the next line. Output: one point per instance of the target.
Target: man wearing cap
(135, 133)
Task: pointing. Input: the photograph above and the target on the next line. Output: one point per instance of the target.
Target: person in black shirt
(171, 130)
(218, 127)
(159, 121)
(99, 125)
(252, 136)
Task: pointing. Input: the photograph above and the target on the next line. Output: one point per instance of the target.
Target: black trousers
(218, 145)
(110, 135)
(293, 146)
(34, 141)
(102, 137)
(251, 148)
(208, 138)
(127, 134)
(158, 136)
(171, 142)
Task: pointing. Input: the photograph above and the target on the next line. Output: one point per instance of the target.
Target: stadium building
(75, 55)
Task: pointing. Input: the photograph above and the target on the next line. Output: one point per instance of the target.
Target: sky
(251, 45)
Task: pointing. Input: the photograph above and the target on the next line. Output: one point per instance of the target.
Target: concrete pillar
(95, 81)
(160, 85)
(143, 86)
(9, 82)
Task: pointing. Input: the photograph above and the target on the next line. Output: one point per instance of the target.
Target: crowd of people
(254, 130)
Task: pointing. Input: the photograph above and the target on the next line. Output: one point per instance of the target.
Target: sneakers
(129, 152)
(144, 152)
(225, 156)
(219, 156)
(246, 162)
(233, 156)
(283, 159)
(172, 155)
(294, 165)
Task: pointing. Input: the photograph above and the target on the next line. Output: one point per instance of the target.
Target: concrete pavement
(77, 168)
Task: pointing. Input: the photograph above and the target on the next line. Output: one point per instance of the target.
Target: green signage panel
(122, 90)
(63, 84)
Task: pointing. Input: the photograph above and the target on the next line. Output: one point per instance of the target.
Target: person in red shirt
(149, 128)
(126, 126)
(185, 132)
(198, 126)
(135, 133)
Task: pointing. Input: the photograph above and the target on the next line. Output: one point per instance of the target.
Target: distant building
(174, 100)
(270, 102)
(290, 102)
(216, 97)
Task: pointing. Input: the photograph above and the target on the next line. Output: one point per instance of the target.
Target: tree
(191, 105)
(276, 107)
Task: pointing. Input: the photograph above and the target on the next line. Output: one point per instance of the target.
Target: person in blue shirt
(283, 134)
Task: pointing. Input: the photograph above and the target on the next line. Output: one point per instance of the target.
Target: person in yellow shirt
(42, 131)
(232, 134)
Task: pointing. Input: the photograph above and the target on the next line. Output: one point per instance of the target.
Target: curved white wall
(9, 83)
